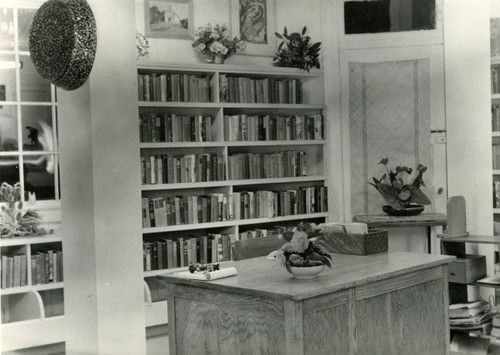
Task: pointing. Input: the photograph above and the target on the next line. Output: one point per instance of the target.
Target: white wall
(468, 122)
(295, 14)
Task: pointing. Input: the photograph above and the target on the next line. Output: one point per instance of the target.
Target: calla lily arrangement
(401, 187)
(15, 220)
(300, 249)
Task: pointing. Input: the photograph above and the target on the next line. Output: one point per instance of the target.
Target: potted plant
(297, 51)
(215, 44)
(300, 255)
(400, 188)
(15, 220)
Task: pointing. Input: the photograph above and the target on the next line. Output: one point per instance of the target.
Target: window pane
(37, 128)
(8, 128)
(9, 169)
(25, 17)
(33, 86)
(389, 15)
(7, 78)
(6, 29)
(39, 175)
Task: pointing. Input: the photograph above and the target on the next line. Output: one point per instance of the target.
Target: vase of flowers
(297, 51)
(15, 220)
(215, 45)
(300, 255)
(400, 188)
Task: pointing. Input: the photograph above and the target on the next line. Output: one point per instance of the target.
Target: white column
(468, 116)
(100, 188)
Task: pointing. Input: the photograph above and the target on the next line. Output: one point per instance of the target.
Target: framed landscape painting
(168, 18)
(253, 21)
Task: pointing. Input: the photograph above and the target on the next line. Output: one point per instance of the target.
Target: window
(28, 109)
(373, 16)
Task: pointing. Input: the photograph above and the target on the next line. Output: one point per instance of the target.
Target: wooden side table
(428, 220)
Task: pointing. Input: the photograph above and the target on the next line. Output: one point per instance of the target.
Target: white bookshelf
(39, 307)
(312, 104)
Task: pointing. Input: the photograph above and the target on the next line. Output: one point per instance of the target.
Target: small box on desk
(373, 242)
(467, 269)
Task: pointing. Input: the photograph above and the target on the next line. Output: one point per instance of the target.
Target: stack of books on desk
(474, 317)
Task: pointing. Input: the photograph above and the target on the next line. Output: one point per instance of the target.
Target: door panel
(395, 100)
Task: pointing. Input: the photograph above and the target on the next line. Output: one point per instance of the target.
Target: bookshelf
(32, 291)
(261, 129)
(495, 136)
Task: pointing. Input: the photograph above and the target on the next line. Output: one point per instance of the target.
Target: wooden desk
(376, 304)
(425, 219)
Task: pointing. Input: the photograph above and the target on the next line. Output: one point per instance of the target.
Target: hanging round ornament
(63, 42)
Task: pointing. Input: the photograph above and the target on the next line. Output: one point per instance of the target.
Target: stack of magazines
(474, 317)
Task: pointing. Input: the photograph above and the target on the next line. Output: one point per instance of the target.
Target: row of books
(270, 128)
(162, 127)
(496, 193)
(173, 87)
(259, 90)
(496, 156)
(178, 210)
(184, 251)
(164, 168)
(495, 118)
(290, 163)
(495, 80)
(46, 267)
(261, 233)
(14, 270)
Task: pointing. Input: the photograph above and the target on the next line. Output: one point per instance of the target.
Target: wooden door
(392, 107)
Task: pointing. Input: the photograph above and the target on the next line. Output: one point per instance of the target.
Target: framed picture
(253, 21)
(168, 18)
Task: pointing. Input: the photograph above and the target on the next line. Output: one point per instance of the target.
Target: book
(468, 309)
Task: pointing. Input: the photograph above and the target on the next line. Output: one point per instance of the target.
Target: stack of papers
(471, 316)
(206, 275)
(491, 280)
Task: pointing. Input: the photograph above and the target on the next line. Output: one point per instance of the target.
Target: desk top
(262, 277)
(384, 220)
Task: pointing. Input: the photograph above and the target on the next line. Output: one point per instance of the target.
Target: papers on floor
(206, 275)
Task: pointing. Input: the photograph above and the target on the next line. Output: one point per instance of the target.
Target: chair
(251, 248)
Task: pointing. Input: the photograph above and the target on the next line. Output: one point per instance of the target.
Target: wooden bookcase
(32, 305)
(220, 139)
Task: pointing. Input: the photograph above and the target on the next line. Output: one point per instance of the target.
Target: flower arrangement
(212, 40)
(142, 45)
(401, 187)
(300, 249)
(296, 51)
(15, 220)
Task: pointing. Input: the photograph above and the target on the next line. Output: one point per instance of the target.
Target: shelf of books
(495, 128)
(32, 290)
(227, 152)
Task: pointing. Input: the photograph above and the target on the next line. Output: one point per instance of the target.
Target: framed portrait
(168, 18)
(253, 21)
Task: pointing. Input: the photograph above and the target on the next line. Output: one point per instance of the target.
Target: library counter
(383, 303)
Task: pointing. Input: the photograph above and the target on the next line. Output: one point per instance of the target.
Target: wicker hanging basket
(63, 42)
